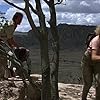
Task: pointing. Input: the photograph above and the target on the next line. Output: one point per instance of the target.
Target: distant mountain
(26, 39)
(20, 33)
(71, 36)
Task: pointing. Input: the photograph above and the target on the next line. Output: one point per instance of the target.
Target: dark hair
(16, 15)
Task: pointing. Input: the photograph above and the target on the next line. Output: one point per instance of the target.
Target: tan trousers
(90, 69)
(87, 71)
(96, 69)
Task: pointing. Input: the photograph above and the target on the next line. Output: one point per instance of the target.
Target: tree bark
(45, 64)
(55, 62)
(46, 87)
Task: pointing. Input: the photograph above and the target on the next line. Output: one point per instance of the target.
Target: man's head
(17, 18)
(97, 30)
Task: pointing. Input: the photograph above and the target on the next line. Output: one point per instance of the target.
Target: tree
(3, 20)
(49, 81)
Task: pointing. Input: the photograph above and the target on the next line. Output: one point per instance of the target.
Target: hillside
(71, 36)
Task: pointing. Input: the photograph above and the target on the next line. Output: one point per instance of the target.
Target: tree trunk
(54, 76)
(55, 63)
(46, 87)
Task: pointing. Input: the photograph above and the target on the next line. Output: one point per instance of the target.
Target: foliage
(3, 20)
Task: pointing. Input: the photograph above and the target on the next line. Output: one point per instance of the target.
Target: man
(91, 65)
(87, 71)
(6, 34)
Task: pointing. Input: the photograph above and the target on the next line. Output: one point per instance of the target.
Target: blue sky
(77, 12)
(3, 8)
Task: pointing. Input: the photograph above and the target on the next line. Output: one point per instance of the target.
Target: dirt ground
(15, 91)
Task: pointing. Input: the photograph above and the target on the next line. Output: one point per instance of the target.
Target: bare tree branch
(47, 2)
(14, 5)
(33, 9)
(59, 2)
(29, 5)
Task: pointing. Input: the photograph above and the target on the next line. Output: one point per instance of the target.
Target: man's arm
(94, 56)
(12, 43)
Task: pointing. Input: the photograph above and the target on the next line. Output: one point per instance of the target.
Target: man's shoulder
(10, 23)
(96, 38)
(9, 27)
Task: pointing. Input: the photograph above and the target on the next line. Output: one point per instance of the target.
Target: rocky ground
(10, 91)
(74, 92)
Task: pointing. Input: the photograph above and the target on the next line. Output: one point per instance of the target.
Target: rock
(14, 89)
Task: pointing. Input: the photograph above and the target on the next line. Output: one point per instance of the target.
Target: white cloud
(97, 1)
(84, 12)
(79, 19)
(84, 3)
(1, 2)
(79, 7)
(16, 1)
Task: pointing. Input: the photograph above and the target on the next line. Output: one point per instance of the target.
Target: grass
(69, 65)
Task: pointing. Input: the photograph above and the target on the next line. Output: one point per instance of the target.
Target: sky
(76, 12)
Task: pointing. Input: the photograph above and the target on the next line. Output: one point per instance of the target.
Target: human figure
(87, 72)
(91, 66)
(6, 34)
(23, 55)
